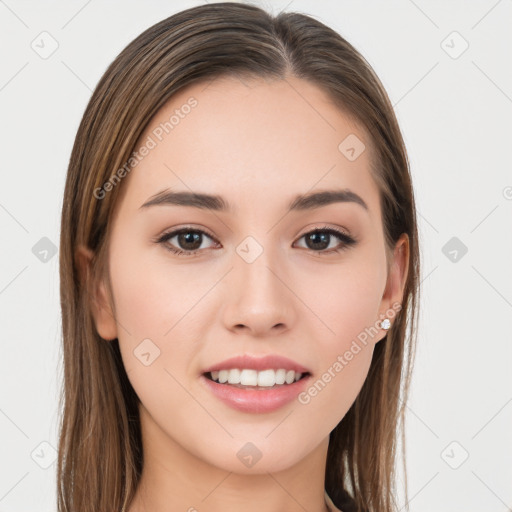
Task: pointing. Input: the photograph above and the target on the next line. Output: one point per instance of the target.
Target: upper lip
(271, 361)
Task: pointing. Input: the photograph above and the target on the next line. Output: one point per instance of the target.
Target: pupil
(190, 238)
(317, 237)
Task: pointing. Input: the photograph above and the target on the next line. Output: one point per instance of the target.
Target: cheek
(157, 306)
(346, 303)
(345, 299)
(152, 299)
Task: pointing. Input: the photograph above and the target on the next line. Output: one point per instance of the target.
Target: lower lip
(256, 400)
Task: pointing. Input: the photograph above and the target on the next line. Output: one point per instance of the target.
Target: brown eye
(319, 240)
(188, 241)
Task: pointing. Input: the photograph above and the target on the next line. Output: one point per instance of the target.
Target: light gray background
(455, 112)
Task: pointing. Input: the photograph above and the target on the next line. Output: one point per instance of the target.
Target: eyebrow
(217, 203)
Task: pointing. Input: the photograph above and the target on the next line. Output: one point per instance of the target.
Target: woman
(239, 274)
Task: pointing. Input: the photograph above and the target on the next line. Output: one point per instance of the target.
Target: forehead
(250, 140)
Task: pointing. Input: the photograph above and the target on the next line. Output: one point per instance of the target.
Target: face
(194, 286)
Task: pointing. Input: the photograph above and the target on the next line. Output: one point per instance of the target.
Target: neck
(173, 478)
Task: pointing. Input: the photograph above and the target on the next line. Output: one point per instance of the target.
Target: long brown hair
(100, 455)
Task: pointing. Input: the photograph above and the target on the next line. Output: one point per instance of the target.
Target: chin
(257, 456)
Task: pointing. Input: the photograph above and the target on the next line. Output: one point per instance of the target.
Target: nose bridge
(259, 299)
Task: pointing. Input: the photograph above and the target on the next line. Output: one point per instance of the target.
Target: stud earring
(385, 324)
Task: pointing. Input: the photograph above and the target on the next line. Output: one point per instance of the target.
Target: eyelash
(346, 240)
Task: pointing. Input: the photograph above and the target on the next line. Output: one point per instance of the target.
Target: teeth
(233, 376)
(264, 378)
(280, 376)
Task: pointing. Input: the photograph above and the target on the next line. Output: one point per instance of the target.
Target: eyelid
(323, 226)
(188, 227)
(317, 227)
(345, 239)
(172, 232)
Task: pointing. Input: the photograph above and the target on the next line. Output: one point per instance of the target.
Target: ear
(397, 277)
(98, 298)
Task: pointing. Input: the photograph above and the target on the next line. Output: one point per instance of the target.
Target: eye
(320, 239)
(190, 240)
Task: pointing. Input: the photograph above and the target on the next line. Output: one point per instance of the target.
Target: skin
(258, 144)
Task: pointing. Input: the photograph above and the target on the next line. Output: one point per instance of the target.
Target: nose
(259, 301)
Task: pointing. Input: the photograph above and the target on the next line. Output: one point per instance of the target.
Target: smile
(255, 379)
(256, 399)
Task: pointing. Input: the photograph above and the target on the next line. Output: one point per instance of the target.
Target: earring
(385, 324)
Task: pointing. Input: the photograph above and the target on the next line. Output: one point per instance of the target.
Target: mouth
(258, 380)
(255, 392)
(256, 384)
